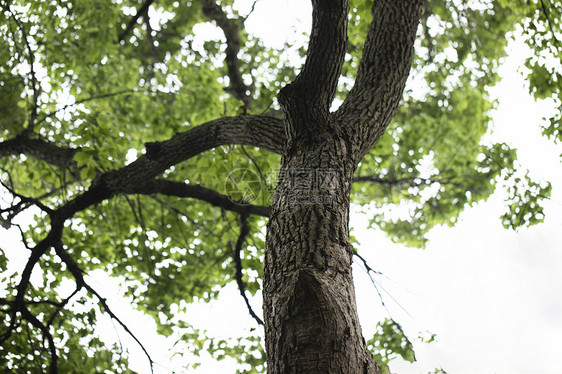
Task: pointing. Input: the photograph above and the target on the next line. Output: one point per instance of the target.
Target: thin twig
(79, 277)
(257, 167)
(81, 101)
(369, 270)
(137, 213)
(61, 305)
(26, 199)
(244, 231)
(549, 21)
(142, 10)
(251, 11)
(28, 316)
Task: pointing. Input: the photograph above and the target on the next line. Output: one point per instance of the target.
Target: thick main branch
(382, 73)
(313, 91)
(42, 150)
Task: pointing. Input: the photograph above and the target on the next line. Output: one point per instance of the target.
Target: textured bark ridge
(311, 317)
(311, 322)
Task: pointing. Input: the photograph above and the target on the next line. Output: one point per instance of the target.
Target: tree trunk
(309, 299)
(311, 322)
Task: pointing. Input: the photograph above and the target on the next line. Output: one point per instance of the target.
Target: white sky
(492, 296)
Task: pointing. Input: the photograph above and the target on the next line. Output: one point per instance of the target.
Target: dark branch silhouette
(244, 231)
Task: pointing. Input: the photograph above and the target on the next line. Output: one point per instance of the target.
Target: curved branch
(314, 88)
(244, 231)
(382, 72)
(259, 131)
(81, 283)
(36, 253)
(179, 189)
(39, 149)
(231, 31)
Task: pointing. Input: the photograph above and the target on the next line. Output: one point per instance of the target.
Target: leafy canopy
(85, 84)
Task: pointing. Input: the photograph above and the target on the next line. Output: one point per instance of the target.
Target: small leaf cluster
(388, 343)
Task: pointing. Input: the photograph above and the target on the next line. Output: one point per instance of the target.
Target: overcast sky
(492, 296)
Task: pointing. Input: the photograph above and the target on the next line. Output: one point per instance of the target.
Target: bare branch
(370, 271)
(251, 10)
(179, 189)
(61, 305)
(315, 86)
(81, 283)
(244, 231)
(28, 200)
(36, 253)
(28, 316)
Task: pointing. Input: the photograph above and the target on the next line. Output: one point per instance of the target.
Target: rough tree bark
(311, 322)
